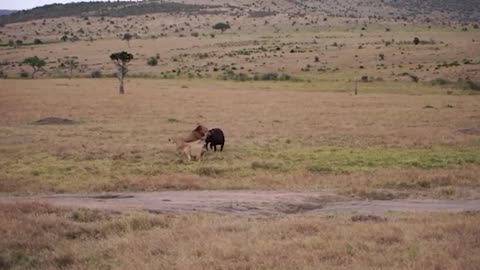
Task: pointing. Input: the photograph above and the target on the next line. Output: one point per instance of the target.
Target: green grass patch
(244, 162)
(345, 159)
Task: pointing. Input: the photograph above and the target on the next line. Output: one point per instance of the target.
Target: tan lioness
(193, 144)
(191, 150)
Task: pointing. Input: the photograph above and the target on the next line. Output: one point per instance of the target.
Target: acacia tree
(70, 64)
(221, 26)
(127, 37)
(121, 60)
(36, 63)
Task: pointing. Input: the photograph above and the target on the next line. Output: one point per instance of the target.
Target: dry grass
(396, 139)
(292, 139)
(43, 237)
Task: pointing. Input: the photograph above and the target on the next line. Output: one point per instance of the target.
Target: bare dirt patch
(243, 202)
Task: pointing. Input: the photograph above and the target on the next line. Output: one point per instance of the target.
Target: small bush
(440, 81)
(96, 74)
(209, 171)
(85, 215)
(152, 61)
(256, 165)
(320, 169)
(271, 76)
(24, 74)
(240, 77)
(471, 85)
(37, 41)
(412, 76)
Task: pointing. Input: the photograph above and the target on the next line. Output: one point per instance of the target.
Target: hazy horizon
(28, 4)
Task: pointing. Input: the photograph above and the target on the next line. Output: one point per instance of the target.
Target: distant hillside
(425, 10)
(459, 10)
(435, 10)
(112, 9)
(6, 11)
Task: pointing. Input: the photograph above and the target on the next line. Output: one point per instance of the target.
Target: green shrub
(24, 74)
(412, 76)
(263, 165)
(96, 74)
(209, 171)
(440, 81)
(471, 85)
(270, 76)
(152, 61)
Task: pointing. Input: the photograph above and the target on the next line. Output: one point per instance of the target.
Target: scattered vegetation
(270, 76)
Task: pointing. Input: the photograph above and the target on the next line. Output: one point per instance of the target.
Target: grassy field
(281, 86)
(279, 136)
(43, 237)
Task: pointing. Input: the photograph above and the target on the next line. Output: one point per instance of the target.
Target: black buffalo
(215, 137)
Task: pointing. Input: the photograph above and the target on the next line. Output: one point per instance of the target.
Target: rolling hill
(428, 10)
(6, 12)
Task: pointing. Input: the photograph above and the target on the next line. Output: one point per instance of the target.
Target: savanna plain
(282, 87)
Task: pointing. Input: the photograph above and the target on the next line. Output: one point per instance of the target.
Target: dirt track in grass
(243, 202)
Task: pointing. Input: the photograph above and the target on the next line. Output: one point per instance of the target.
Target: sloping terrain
(6, 12)
(452, 10)
(463, 10)
(111, 9)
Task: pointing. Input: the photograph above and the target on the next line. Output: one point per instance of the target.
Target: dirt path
(242, 202)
